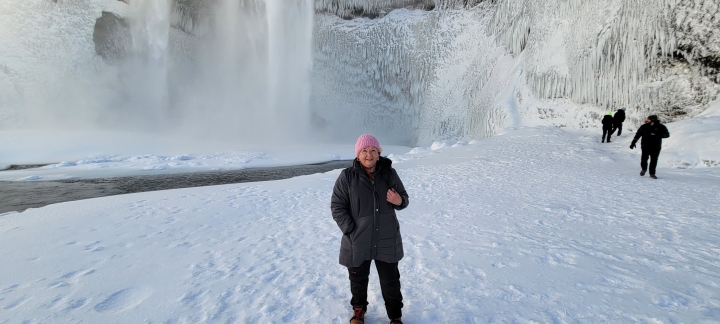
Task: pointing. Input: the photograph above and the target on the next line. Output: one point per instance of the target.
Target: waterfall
(146, 70)
(290, 29)
(251, 75)
(240, 71)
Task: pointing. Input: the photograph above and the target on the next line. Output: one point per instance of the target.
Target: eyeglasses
(370, 151)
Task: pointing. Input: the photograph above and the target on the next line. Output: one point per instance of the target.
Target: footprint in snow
(94, 247)
(123, 300)
(16, 303)
(76, 303)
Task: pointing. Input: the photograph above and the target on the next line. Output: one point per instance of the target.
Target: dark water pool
(21, 195)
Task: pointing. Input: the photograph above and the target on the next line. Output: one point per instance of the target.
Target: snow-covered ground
(540, 224)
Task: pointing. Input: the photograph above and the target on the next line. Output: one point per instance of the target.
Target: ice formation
(410, 70)
(615, 53)
(413, 74)
(600, 55)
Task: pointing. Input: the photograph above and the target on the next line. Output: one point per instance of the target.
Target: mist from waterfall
(247, 76)
(145, 70)
(250, 73)
(241, 76)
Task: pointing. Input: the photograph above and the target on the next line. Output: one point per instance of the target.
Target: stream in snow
(21, 195)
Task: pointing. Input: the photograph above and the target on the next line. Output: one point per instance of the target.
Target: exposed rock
(111, 36)
(191, 16)
(375, 9)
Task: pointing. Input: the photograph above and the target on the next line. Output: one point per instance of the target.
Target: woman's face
(369, 156)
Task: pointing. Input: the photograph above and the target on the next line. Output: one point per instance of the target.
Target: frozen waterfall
(468, 68)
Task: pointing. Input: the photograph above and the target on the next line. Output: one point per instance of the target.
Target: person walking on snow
(618, 120)
(652, 133)
(363, 204)
(607, 125)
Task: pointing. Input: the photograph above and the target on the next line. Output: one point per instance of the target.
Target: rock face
(687, 79)
(697, 31)
(614, 53)
(111, 36)
(375, 9)
(191, 16)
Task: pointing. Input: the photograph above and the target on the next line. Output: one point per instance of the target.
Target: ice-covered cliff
(411, 70)
(449, 71)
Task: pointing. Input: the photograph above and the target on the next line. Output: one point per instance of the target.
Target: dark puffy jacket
(607, 122)
(652, 136)
(619, 117)
(367, 220)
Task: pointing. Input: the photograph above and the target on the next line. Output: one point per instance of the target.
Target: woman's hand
(393, 197)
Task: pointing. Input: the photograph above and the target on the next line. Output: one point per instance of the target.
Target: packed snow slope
(536, 225)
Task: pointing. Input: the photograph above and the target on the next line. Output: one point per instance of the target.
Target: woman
(363, 204)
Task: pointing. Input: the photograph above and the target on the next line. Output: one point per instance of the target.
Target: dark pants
(653, 155)
(389, 284)
(618, 128)
(607, 132)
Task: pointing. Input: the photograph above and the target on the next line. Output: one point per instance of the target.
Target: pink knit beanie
(364, 141)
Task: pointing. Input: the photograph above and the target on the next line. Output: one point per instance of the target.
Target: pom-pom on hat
(364, 141)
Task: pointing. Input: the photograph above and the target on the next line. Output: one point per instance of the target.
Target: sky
(538, 224)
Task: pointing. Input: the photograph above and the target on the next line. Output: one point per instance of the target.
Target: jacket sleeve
(400, 189)
(666, 132)
(340, 204)
(638, 134)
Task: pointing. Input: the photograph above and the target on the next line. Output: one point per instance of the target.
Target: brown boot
(396, 321)
(358, 316)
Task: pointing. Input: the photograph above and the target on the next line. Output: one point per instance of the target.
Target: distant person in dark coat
(652, 133)
(607, 124)
(618, 120)
(364, 200)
